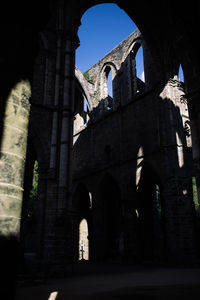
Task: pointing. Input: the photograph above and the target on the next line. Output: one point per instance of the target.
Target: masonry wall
(129, 143)
(142, 143)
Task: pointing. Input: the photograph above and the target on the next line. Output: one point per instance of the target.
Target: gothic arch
(83, 86)
(135, 45)
(83, 240)
(148, 168)
(86, 6)
(150, 214)
(103, 77)
(108, 64)
(81, 206)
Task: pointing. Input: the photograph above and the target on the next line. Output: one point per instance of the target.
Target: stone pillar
(130, 84)
(194, 112)
(58, 227)
(12, 160)
(179, 222)
(13, 154)
(177, 198)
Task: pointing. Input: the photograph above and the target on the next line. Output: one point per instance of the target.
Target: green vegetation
(33, 193)
(195, 197)
(88, 78)
(197, 206)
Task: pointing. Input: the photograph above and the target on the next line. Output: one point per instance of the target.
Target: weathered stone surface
(12, 158)
(141, 139)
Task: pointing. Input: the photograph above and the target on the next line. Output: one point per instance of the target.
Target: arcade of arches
(115, 169)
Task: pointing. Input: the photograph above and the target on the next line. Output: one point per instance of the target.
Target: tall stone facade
(121, 162)
(136, 143)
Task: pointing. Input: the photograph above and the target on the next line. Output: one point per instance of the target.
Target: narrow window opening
(83, 240)
(81, 111)
(107, 93)
(85, 111)
(109, 90)
(138, 74)
(181, 74)
(140, 64)
(110, 84)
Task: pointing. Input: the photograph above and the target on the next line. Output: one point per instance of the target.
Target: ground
(137, 283)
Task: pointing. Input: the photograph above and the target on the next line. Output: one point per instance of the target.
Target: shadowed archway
(108, 219)
(152, 244)
(81, 205)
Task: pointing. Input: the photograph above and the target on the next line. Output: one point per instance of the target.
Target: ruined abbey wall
(141, 129)
(121, 162)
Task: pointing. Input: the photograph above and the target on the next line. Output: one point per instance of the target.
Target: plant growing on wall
(88, 77)
(195, 196)
(34, 192)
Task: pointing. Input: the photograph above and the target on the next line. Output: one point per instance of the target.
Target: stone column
(58, 243)
(12, 160)
(194, 112)
(13, 154)
(131, 80)
(179, 222)
(176, 190)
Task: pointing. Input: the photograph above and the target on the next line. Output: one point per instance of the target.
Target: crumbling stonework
(141, 142)
(122, 162)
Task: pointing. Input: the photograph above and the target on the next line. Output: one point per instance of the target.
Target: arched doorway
(83, 240)
(81, 204)
(151, 244)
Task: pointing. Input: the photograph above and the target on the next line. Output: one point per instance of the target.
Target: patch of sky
(103, 27)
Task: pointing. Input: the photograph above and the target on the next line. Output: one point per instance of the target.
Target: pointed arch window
(107, 87)
(180, 74)
(140, 64)
(137, 69)
(81, 111)
(83, 240)
(110, 84)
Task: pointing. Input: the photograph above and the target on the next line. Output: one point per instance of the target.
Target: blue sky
(103, 27)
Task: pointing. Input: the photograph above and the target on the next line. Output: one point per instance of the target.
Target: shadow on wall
(107, 219)
(148, 133)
